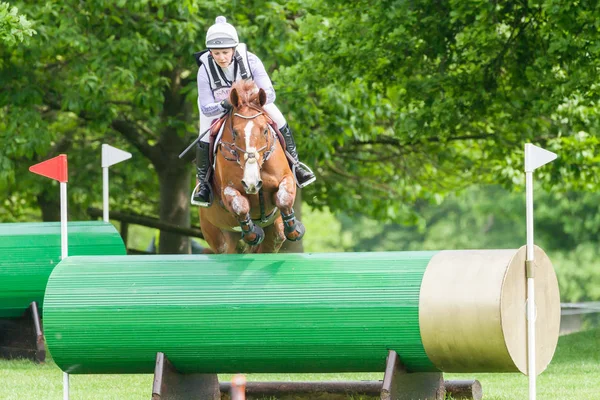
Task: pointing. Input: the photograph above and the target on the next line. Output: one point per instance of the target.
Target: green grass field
(573, 374)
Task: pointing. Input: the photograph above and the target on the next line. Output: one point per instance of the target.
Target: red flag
(54, 168)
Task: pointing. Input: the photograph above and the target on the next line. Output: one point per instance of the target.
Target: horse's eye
(235, 133)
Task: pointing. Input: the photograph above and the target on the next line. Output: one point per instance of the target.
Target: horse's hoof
(257, 232)
(295, 234)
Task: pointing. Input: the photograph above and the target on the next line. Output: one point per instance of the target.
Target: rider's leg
(304, 177)
(202, 195)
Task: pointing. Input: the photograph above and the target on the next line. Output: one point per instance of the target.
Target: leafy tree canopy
(14, 28)
(411, 100)
(393, 105)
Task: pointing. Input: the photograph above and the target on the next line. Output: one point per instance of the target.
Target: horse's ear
(234, 98)
(262, 97)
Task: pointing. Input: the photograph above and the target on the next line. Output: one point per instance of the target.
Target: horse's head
(251, 140)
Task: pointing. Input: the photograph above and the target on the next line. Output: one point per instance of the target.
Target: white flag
(535, 157)
(112, 155)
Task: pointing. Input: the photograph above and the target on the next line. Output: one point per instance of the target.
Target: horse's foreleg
(274, 237)
(239, 206)
(213, 235)
(284, 199)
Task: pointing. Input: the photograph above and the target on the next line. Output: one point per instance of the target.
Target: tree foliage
(395, 105)
(116, 72)
(408, 101)
(14, 28)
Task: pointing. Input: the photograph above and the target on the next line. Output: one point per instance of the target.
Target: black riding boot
(203, 194)
(304, 176)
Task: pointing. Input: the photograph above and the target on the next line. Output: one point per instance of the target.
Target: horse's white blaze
(248, 133)
(236, 202)
(251, 169)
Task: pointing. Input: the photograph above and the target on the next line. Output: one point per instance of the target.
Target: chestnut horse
(253, 186)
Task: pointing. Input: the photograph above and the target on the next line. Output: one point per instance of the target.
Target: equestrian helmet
(221, 35)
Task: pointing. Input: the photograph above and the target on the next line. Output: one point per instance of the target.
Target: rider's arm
(261, 78)
(206, 99)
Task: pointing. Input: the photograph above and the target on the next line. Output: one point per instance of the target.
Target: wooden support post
(22, 337)
(400, 385)
(303, 390)
(39, 335)
(461, 390)
(172, 385)
(124, 232)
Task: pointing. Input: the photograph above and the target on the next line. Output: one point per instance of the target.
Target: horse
(253, 186)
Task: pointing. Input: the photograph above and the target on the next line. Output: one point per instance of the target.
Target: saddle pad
(214, 142)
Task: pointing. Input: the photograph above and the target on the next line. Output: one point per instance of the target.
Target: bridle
(235, 150)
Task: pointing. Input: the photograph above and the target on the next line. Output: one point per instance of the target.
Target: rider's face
(222, 56)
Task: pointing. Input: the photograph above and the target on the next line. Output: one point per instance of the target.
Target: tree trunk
(295, 247)
(174, 206)
(50, 206)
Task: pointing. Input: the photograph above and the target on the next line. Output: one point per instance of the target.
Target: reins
(235, 150)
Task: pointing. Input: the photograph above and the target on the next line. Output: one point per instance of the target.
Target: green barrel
(324, 312)
(30, 251)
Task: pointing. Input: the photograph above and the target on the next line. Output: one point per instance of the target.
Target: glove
(226, 105)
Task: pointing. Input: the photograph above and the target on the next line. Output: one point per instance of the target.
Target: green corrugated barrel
(229, 313)
(30, 251)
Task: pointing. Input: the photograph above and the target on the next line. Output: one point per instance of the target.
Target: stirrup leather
(305, 167)
(201, 203)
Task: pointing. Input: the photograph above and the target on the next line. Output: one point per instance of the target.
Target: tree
(409, 101)
(394, 105)
(14, 28)
(114, 72)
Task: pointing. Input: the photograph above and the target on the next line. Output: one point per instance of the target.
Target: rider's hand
(226, 105)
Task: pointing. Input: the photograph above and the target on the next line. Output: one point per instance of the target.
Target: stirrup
(305, 167)
(201, 203)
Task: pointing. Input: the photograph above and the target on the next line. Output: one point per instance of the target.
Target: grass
(574, 373)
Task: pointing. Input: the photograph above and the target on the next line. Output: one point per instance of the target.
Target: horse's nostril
(250, 189)
(259, 185)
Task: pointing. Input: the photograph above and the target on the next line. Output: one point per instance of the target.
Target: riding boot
(303, 176)
(203, 195)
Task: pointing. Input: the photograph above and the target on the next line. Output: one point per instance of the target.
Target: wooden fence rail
(126, 218)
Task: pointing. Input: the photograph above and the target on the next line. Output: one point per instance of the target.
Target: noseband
(250, 157)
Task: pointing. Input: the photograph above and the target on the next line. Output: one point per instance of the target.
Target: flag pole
(529, 270)
(535, 157)
(64, 247)
(105, 194)
(110, 156)
(56, 168)
(64, 238)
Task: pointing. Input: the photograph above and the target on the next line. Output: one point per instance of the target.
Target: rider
(225, 62)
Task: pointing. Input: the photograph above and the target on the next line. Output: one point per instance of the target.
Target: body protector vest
(219, 83)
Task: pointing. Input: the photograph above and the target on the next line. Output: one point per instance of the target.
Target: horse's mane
(247, 92)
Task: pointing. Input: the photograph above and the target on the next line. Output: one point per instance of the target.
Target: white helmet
(221, 35)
